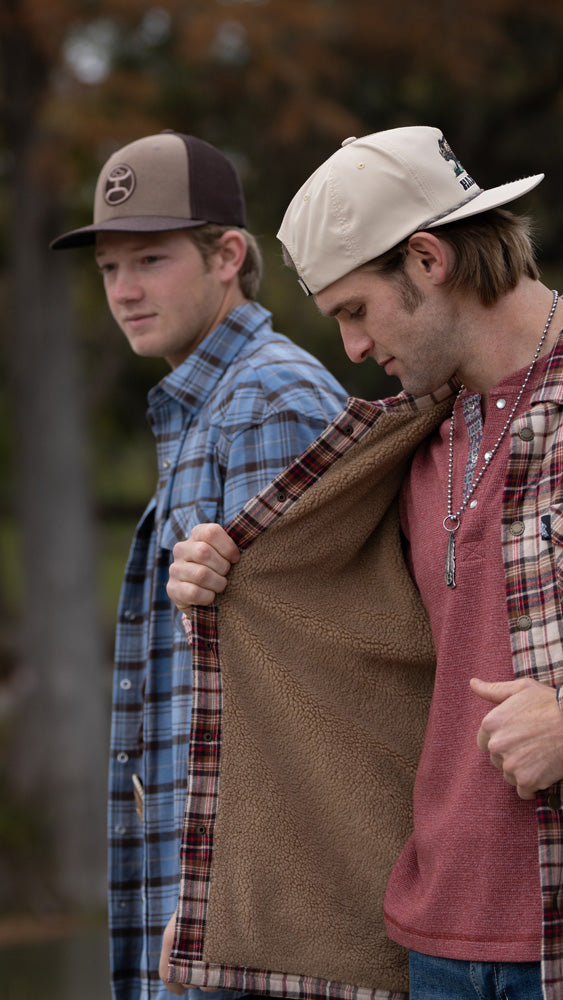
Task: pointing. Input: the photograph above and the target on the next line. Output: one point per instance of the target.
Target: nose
(123, 286)
(358, 345)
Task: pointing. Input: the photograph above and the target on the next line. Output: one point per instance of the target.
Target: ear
(231, 252)
(430, 256)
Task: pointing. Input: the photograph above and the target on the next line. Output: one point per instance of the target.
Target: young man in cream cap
(427, 274)
(181, 275)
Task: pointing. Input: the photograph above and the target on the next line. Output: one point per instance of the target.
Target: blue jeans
(450, 979)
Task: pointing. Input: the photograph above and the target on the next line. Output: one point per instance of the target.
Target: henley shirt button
(123, 757)
(524, 622)
(554, 800)
(526, 434)
(517, 528)
(125, 684)
(500, 404)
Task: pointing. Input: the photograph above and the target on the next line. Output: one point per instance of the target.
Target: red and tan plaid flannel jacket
(533, 550)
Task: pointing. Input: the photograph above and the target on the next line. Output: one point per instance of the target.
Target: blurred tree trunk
(59, 759)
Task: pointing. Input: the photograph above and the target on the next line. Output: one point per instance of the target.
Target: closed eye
(357, 313)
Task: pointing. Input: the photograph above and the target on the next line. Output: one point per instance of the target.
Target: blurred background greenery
(277, 85)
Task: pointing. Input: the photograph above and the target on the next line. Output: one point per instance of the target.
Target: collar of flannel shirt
(192, 382)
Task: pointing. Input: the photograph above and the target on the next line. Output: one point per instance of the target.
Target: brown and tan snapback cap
(162, 182)
(373, 193)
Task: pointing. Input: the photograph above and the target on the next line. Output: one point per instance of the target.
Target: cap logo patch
(120, 185)
(447, 152)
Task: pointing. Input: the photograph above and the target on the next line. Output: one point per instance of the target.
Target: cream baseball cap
(162, 182)
(374, 192)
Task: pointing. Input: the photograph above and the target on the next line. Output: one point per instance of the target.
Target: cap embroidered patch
(120, 185)
(448, 154)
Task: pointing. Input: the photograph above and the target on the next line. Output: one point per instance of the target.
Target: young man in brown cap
(428, 275)
(181, 275)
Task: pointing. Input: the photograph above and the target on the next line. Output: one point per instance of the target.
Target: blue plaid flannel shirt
(226, 421)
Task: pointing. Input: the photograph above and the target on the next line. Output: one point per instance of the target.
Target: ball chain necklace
(452, 521)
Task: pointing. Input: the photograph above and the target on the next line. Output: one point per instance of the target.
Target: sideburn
(410, 294)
